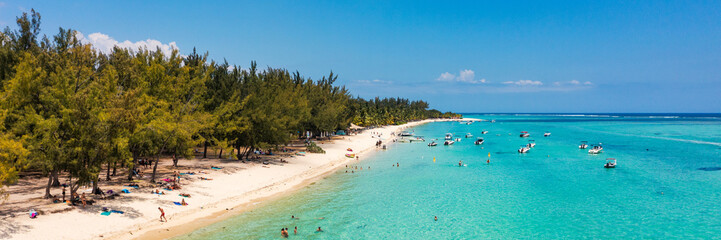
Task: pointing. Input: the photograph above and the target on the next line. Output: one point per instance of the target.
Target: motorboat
(406, 134)
(524, 149)
(596, 149)
(479, 141)
(432, 144)
(493, 120)
(469, 135)
(448, 142)
(531, 143)
(546, 134)
(458, 139)
(610, 163)
(449, 136)
(484, 132)
(584, 145)
(469, 123)
(525, 134)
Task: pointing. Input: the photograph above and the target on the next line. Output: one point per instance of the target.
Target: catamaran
(596, 149)
(525, 134)
(610, 164)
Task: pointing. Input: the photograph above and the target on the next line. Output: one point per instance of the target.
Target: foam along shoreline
(229, 194)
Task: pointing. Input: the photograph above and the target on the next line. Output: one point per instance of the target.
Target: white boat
(469, 135)
(524, 149)
(458, 139)
(484, 132)
(449, 136)
(596, 149)
(609, 163)
(448, 142)
(469, 123)
(406, 134)
(584, 145)
(432, 144)
(493, 120)
(479, 141)
(525, 134)
(546, 134)
(531, 143)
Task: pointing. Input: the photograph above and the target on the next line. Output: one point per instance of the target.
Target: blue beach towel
(125, 190)
(116, 211)
(105, 213)
(180, 204)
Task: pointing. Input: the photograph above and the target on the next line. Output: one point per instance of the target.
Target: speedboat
(524, 149)
(479, 141)
(584, 145)
(449, 136)
(609, 163)
(596, 149)
(546, 134)
(469, 135)
(531, 143)
(525, 134)
(432, 144)
(484, 132)
(448, 142)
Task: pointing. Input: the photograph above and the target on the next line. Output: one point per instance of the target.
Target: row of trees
(67, 108)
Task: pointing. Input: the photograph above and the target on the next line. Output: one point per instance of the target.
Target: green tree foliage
(67, 108)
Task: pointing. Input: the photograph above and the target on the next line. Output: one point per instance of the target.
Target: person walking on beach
(162, 215)
(63, 193)
(82, 199)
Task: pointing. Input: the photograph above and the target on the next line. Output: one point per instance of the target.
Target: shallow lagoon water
(666, 185)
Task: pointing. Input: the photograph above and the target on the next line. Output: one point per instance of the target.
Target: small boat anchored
(432, 144)
(484, 132)
(406, 134)
(531, 143)
(596, 149)
(458, 139)
(469, 135)
(524, 149)
(479, 141)
(525, 134)
(448, 142)
(449, 136)
(584, 145)
(546, 134)
(610, 163)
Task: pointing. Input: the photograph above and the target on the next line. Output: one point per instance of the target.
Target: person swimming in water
(460, 163)
(435, 218)
(319, 230)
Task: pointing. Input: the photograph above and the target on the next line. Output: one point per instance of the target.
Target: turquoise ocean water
(667, 185)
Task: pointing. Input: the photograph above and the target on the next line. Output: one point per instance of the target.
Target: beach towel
(125, 190)
(169, 180)
(132, 186)
(116, 211)
(180, 204)
(183, 196)
(216, 168)
(167, 189)
(105, 213)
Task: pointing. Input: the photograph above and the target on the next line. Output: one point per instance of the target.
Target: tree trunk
(240, 155)
(56, 180)
(220, 155)
(205, 149)
(132, 167)
(96, 190)
(47, 188)
(107, 174)
(115, 164)
(155, 168)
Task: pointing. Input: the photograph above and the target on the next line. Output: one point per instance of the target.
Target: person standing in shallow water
(435, 218)
(295, 230)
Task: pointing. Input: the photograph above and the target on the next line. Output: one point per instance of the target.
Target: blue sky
(476, 56)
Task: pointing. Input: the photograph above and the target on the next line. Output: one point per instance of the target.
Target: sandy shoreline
(233, 190)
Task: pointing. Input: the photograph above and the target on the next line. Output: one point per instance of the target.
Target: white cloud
(574, 82)
(466, 76)
(524, 83)
(105, 43)
(587, 83)
(446, 76)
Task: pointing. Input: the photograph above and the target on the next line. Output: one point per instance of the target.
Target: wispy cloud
(374, 81)
(466, 76)
(524, 83)
(105, 43)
